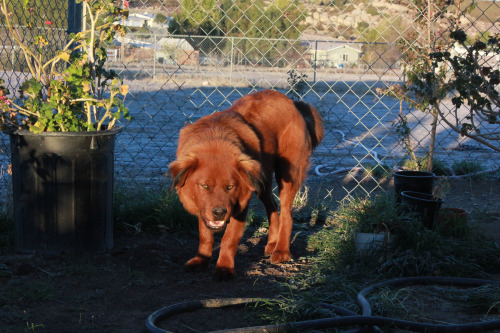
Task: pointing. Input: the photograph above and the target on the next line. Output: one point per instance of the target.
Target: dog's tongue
(215, 224)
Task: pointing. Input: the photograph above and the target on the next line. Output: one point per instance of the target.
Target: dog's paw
(268, 251)
(197, 264)
(224, 273)
(280, 256)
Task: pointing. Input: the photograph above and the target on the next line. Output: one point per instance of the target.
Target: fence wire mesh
(186, 59)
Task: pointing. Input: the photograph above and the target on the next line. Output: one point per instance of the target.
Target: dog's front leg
(224, 269)
(201, 260)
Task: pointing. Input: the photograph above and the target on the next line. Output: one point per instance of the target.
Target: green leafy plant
(474, 84)
(69, 90)
(436, 70)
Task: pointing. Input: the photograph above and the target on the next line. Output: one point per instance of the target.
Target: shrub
(465, 167)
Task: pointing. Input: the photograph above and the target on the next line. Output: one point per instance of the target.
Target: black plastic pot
(424, 205)
(416, 181)
(63, 190)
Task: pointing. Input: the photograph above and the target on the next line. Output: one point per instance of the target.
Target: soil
(117, 290)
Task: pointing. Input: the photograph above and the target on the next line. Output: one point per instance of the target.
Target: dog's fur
(224, 157)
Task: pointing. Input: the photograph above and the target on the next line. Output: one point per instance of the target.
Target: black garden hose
(350, 319)
(192, 306)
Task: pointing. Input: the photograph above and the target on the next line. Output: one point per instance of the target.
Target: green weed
(465, 167)
(32, 327)
(151, 210)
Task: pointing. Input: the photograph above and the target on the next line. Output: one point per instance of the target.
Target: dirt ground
(117, 290)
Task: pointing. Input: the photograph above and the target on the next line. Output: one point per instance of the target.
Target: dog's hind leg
(281, 250)
(290, 172)
(267, 198)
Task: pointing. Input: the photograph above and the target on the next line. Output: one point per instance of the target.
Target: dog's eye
(205, 186)
(229, 187)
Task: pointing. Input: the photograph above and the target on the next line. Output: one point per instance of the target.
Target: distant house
(332, 53)
(139, 20)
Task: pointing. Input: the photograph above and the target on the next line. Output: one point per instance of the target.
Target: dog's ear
(250, 172)
(182, 168)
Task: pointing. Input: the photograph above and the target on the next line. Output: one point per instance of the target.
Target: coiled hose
(350, 319)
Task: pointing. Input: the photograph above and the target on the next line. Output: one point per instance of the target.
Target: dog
(223, 158)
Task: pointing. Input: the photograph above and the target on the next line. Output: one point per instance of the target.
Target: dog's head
(215, 182)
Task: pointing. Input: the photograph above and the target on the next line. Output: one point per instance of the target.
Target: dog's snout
(219, 213)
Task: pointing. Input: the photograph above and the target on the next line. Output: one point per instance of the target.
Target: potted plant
(62, 128)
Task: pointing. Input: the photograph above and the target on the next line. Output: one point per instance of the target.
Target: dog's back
(270, 113)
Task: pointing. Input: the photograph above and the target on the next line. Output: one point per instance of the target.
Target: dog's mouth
(215, 225)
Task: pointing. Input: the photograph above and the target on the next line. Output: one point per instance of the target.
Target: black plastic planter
(424, 205)
(63, 190)
(416, 181)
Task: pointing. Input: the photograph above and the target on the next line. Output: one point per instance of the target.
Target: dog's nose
(219, 213)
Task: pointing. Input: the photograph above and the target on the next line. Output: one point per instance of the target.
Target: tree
(265, 27)
(268, 28)
(474, 85)
(434, 73)
(380, 50)
(160, 19)
(197, 17)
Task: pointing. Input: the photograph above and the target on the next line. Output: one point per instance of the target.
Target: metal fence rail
(187, 59)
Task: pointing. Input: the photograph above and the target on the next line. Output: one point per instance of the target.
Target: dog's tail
(313, 120)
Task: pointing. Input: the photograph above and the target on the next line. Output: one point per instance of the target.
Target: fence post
(154, 58)
(232, 60)
(74, 17)
(315, 59)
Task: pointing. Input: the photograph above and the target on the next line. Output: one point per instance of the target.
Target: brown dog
(224, 157)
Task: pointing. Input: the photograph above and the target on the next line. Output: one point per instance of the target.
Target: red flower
(48, 22)
(125, 3)
(5, 100)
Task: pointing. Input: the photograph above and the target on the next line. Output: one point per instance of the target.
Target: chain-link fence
(186, 59)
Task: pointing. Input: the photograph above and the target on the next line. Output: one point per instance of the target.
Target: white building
(139, 20)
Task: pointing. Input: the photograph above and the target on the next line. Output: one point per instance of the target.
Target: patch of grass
(368, 214)
(301, 199)
(418, 303)
(465, 167)
(377, 170)
(372, 10)
(151, 210)
(338, 272)
(19, 291)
